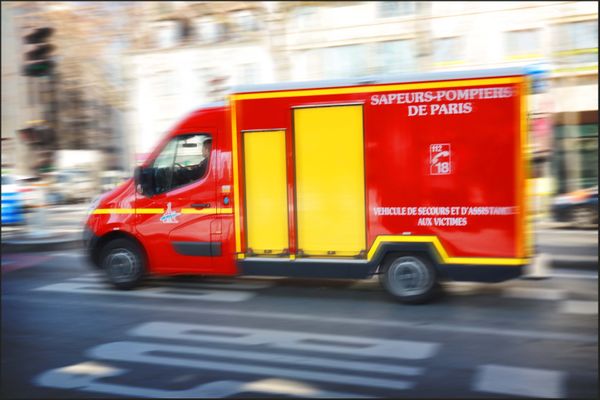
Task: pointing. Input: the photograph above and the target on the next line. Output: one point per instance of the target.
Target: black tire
(409, 278)
(124, 263)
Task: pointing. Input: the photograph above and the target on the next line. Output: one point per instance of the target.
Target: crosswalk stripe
(279, 358)
(534, 293)
(86, 279)
(527, 382)
(341, 344)
(579, 307)
(84, 376)
(155, 292)
(171, 284)
(146, 353)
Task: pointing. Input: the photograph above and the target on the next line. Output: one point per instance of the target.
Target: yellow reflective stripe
(198, 211)
(114, 211)
(369, 89)
(159, 211)
(206, 211)
(525, 191)
(236, 191)
(149, 210)
(442, 252)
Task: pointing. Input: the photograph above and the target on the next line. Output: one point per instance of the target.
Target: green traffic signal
(40, 68)
(39, 56)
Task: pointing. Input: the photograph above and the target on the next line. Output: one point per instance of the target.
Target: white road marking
(565, 258)
(171, 284)
(146, 353)
(466, 288)
(579, 307)
(87, 279)
(155, 292)
(527, 382)
(573, 274)
(253, 278)
(342, 344)
(74, 255)
(275, 365)
(83, 376)
(534, 293)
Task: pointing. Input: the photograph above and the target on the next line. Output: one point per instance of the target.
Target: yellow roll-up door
(266, 192)
(330, 191)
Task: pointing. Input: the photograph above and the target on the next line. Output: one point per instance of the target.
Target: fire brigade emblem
(170, 216)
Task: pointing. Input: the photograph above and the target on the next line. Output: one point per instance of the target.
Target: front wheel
(124, 263)
(410, 279)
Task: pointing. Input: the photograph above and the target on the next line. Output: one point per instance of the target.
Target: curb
(42, 245)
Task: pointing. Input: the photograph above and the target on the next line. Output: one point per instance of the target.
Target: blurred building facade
(190, 53)
(82, 101)
(18, 104)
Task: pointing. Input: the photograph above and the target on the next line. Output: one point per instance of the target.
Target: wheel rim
(122, 265)
(409, 276)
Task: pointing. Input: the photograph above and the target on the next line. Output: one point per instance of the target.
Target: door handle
(201, 205)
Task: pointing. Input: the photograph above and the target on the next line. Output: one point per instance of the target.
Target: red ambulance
(418, 180)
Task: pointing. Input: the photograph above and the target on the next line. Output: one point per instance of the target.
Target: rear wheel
(410, 279)
(124, 263)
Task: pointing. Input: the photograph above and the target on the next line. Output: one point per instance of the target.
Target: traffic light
(38, 136)
(38, 60)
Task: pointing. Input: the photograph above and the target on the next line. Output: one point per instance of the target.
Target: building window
(185, 30)
(523, 44)
(447, 51)
(577, 42)
(576, 150)
(245, 21)
(387, 9)
(209, 30)
(305, 17)
(396, 56)
(166, 34)
(344, 61)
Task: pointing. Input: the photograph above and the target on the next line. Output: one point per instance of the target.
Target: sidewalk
(61, 229)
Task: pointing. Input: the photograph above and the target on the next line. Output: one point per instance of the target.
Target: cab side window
(184, 160)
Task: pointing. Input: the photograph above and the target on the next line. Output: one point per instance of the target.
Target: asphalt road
(66, 334)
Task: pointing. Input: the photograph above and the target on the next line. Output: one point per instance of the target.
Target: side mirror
(143, 181)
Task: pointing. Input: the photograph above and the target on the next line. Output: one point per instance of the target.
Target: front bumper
(90, 242)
